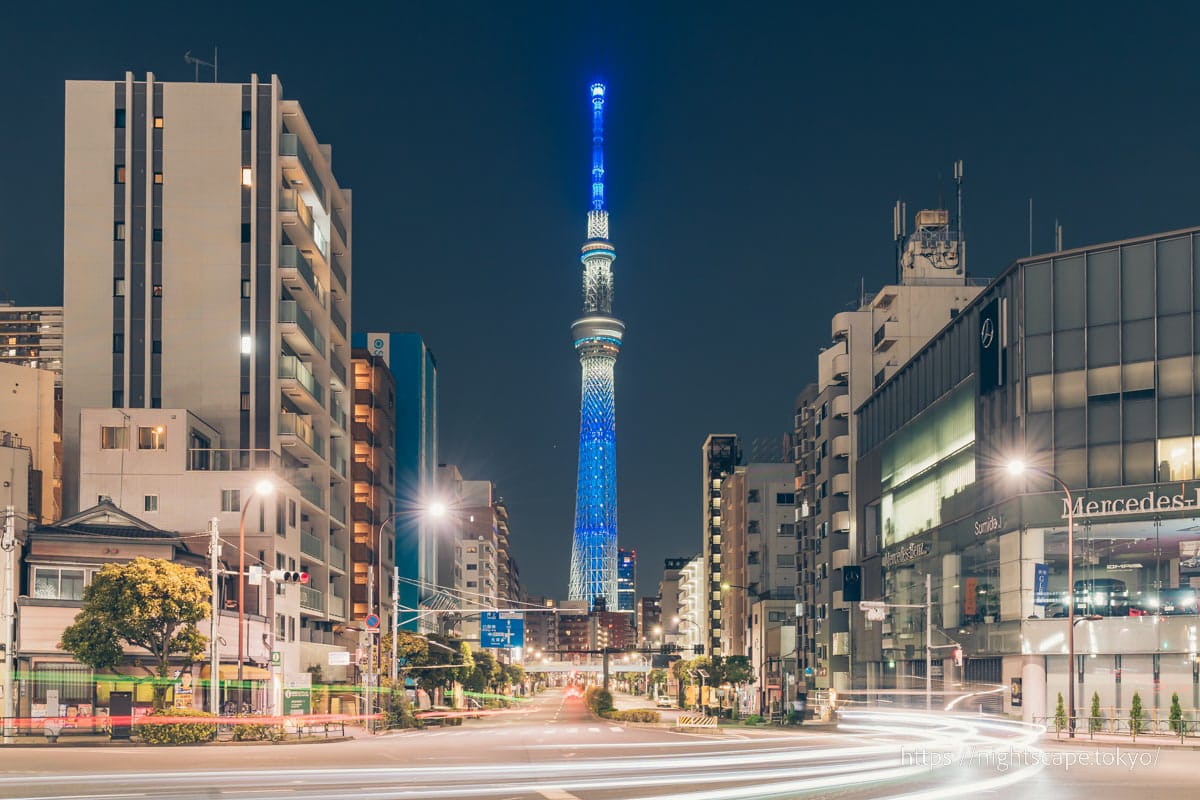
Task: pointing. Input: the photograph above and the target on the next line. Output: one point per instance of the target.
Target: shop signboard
(297, 694)
(970, 596)
(1041, 584)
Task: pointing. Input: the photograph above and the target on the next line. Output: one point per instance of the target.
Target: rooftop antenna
(188, 58)
(962, 245)
(1031, 226)
(899, 230)
(1057, 236)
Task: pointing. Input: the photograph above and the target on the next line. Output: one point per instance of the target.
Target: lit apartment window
(245, 290)
(158, 122)
(118, 287)
(247, 177)
(152, 502)
(231, 499)
(158, 178)
(158, 290)
(114, 438)
(118, 231)
(119, 174)
(154, 438)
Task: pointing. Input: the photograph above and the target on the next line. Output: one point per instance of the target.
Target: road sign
(373, 622)
(339, 658)
(276, 658)
(502, 629)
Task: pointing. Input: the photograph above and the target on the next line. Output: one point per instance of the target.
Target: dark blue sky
(754, 156)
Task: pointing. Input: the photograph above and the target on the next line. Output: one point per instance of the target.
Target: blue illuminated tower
(597, 336)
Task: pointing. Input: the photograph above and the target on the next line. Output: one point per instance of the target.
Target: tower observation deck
(597, 335)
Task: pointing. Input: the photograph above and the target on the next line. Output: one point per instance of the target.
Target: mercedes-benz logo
(987, 333)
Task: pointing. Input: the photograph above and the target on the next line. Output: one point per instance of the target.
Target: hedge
(259, 732)
(633, 715)
(177, 732)
(598, 700)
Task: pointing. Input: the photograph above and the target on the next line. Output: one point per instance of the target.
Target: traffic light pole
(214, 640)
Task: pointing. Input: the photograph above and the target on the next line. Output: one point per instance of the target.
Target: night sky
(754, 154)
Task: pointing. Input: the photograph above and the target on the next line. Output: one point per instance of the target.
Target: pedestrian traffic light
(958, 657)
(288, 576)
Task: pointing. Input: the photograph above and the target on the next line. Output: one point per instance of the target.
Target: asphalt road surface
(552, 749)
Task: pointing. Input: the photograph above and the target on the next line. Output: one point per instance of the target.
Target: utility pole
(928, 642)
(214, 639)
(9, 546)
(395, 619)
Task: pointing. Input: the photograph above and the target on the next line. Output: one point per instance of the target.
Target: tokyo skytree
(597, 336)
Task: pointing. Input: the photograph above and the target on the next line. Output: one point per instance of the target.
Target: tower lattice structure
(597, 336)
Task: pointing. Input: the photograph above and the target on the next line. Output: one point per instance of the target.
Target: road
(552, 749)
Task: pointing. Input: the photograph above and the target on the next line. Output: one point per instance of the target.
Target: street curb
(61, 743)
(1140, 744)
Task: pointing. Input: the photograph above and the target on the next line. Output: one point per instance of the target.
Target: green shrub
(259, 732)
(753, 719)
(399, 713)
(1177, 726)
(794, 718)
(173, 732)
(598, 700)
(632, 715)
(1137, 715)
(1060, 715)
(1095, 720)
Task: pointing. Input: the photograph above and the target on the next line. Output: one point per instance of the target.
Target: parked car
(665, 702)
(1107, 597)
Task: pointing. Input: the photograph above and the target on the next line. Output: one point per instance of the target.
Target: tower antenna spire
(597, 90)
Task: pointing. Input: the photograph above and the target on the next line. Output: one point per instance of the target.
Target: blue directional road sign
(502, 629)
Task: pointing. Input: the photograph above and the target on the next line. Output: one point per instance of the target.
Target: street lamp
(1017, 467)
(373, 601)
(263, 488)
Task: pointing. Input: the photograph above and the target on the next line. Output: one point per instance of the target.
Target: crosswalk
(547, 730)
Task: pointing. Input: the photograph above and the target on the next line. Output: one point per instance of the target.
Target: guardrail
(1113, 724)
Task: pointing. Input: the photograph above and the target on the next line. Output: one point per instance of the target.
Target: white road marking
(557, 794)
(593, 730)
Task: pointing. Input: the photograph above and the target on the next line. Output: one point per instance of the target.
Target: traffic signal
(958, 657)
(287, 576)
(698, 649)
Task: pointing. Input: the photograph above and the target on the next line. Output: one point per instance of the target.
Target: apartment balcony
(338, 415)
(296, 272)
(337, 373)
(841, 406)
(337, 608)
(230, 460)
(839, 446)
(312, 600)
(340, 325)
(299, 331)
(296, 432)
(841, 367)
(839, 558)
(841, 484)
(336, 269)
(841, 521)
(338, 462)
(298, 167)
(840, 328)
(886, 335)
(337, 510)
(311, 493)
(361, 471)
(337, 559)
(297, 382)
(311, 545)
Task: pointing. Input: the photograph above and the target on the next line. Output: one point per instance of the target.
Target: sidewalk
(1142, 742)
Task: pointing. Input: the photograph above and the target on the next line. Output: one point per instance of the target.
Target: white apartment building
(32, 336)
(692, 605)
(207, 256)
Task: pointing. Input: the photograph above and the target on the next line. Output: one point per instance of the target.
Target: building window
(118, 399)
(114, 438)
(118, 287)
(157, 235)
(472, 566)
(58, 583)
(118, 343)
(281, 627)
(785, 561)
(231, 499)
(247, 176)
(158, 178)
(291, 513)
(472, 584)
(152, 502)
(157, 290)
(785, 499)
(752, 526)
(752, 496)
(119, 121)
(158, 122)
(245, 233)
(246, 290)
(118, 231)
(245, 401)
(154, 438)
(246, 119)
(787, 529)
(119, 174)
(156, 347)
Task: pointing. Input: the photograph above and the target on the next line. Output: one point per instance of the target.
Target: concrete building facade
(32, 336)
(30, 409)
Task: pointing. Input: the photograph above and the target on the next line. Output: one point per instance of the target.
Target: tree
(1060, 715)
(148, 603)
(1176, 714)
(1136, 715)
(737, 670)
(1095, 721)
(484, 675)
(512, 674)
(427, 654)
